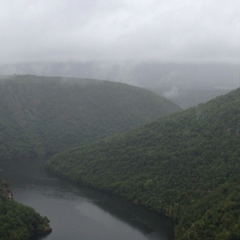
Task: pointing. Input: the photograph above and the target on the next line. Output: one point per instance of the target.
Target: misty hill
(187, 98)
(186, 84)
(186, 165)
(41, 115)
(151, 74)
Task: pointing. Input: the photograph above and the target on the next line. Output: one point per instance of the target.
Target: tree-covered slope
(18, 222)
(186, 165)
(40, 115)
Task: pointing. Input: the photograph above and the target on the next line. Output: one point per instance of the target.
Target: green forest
(186, 165)
(18, 221)
(40, 116)
(44, 115)
(127, 141)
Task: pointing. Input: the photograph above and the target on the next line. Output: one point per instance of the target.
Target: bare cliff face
(5, 191)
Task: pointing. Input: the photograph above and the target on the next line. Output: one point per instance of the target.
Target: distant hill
(187, 98)
(42, 115)
(195, 82)
(186, 165)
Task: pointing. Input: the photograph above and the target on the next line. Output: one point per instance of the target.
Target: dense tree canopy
(43, 115)
(19, 222)
(186, 165)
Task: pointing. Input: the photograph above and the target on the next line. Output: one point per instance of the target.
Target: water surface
(81, 213)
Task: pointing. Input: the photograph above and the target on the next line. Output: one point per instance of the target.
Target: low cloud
(171, 94)
(97, 30)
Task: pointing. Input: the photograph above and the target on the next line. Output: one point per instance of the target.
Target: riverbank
(76, 212)
(19, 222)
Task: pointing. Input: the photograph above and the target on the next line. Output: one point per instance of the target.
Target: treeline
(186, 165)
(19, 222)
(44, 115)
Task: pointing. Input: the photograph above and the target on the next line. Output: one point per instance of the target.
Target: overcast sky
(113, 30)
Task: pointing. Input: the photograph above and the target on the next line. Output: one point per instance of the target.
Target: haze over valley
(186, 84)
(119, 120)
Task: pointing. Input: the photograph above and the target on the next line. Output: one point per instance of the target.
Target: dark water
(82, 213)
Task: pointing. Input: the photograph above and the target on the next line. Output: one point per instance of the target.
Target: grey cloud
(73, 30)
(171, 94)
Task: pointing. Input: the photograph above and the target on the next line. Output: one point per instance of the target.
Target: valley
(131, 143)
(42, 116)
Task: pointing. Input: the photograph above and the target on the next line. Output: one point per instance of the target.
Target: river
(80, 213)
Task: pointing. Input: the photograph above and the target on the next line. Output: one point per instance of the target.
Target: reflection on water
(79, 212)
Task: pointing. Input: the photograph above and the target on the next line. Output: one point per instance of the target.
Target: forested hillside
(18, 221)
(186, 165)
(42, 115)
